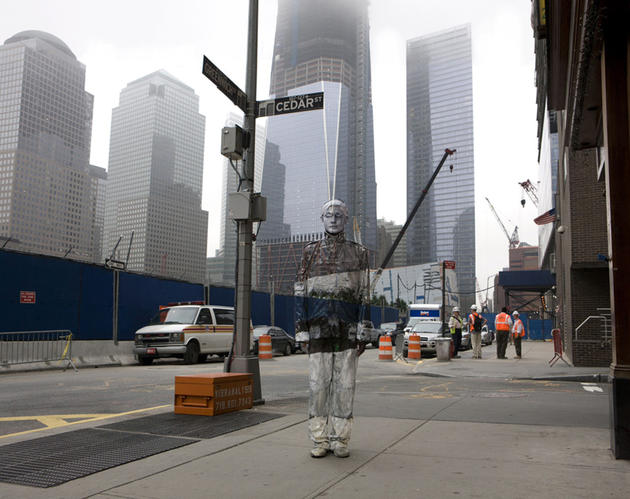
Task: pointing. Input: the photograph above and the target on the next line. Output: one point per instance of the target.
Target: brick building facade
(583, 78)
(581, 246)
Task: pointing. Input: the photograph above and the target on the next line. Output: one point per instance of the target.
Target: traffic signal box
(212, 394)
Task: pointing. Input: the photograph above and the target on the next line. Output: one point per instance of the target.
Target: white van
(190, 332)
(420, 312)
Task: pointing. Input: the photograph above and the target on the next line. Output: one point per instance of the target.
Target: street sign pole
(239, 359)
(242, 361)
(446, 264)
(444, 326)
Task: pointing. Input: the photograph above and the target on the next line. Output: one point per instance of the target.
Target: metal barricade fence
(27, 347)
(557, 348)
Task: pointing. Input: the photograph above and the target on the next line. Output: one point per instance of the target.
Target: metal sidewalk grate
(202, 427)
(53, 460)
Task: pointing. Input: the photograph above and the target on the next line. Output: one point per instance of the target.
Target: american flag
(546, 218)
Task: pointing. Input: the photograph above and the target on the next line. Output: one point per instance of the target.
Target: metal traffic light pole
(242, 361)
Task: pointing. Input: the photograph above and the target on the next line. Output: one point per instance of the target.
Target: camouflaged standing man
(331, 291)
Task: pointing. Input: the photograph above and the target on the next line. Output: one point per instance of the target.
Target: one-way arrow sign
(114, 264)
(292, 104)
(223, 83)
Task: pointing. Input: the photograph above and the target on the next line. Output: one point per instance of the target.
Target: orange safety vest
(471, 322)
(515, 328)
(502, 322)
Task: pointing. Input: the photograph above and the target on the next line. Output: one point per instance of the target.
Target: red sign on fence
(27, 296)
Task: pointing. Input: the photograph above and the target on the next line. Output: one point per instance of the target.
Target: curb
(430, 374)
(592, 378)
(596, 378)
(80, 363)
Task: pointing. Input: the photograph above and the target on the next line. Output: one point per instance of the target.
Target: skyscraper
(98, 190)
(47, 193)
(322, 45)
(440, 116)
(154, 179)
(387, 233)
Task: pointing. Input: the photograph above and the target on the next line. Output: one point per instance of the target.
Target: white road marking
(591, 387)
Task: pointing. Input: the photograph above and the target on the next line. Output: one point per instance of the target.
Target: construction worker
(502, 325)
(456, 324)
(332, 289)
(518, 331)
(475, 323)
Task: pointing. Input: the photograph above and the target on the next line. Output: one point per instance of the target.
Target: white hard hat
(455, 309)
(515, 312)
(473, 307)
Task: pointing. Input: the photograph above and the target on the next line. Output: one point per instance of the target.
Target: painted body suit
(333, 283)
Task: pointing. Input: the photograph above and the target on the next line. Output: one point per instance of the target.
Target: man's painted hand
(360, 348)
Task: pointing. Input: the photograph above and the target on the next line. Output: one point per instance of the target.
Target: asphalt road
(35, 400)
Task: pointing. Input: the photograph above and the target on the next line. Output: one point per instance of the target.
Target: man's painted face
(334, 220)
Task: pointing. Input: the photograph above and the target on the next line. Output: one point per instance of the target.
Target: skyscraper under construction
(322, 45)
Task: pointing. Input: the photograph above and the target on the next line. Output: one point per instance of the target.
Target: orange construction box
(212, 394)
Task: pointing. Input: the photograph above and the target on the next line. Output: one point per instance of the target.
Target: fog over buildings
(50, 196)
(326, 154)
(111, 59)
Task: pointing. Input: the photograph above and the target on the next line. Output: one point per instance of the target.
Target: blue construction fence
(284, 308)
(535, 329)
(40, 292)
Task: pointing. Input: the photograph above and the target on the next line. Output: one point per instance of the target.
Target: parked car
(368, 333)
(393, 329)
(191, 332)
(428, 332)
(388, 326)
(281, 341)
(466, 342)
(487, 336)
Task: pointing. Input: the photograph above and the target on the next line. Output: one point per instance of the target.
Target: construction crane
(401, 233)
(531, 191)
(513, 240)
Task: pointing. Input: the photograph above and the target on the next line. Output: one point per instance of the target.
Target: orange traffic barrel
(413, 347)
(264, 347)
(385, 348)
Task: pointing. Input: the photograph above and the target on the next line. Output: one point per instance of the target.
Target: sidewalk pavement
(402, 458)
(534, 364)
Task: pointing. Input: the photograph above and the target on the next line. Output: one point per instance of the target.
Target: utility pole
(241, 361)
(444, 328)
(246, 206)
(446, 264)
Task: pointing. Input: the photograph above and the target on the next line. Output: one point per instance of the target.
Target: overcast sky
(120, 41)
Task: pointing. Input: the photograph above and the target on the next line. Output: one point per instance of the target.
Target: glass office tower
(440, 116)
(323, 45)
(48, 192)
(154, 179)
